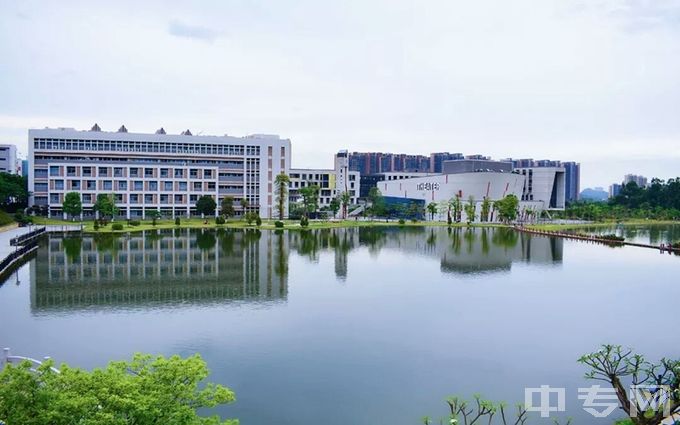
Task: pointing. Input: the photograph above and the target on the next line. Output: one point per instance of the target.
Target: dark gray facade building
(475, 165)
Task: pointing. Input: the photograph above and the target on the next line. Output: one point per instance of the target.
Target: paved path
(7, 235)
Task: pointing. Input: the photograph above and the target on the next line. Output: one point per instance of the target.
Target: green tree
(486, 209)
(250, 217)
(456, 207)
(621, 368)
(334, 206)
(154, 215)
(310, 199)
(206, 205)
(344, 201)
(415, 211)
(244, 203)
(106, 205)
(432, 209)
(72, 204)
(445, 207)
(227, 207)
(13, 192)
(377, 201)
(281, 190)
(470, 210)
(507, 208)
(146, 390)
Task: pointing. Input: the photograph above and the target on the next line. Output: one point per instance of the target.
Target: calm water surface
(653, 234)
(353, 326)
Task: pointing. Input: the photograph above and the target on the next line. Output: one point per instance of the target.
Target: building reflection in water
(159, 267)
(166, 267)
(460, 250)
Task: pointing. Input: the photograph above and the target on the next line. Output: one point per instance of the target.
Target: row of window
(136, 185)
(134, 198)
(73, 171)
(145, 146)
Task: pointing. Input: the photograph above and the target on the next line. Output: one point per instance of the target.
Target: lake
(651, 234)
(346, 326)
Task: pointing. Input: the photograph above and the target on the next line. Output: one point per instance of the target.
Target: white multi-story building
(466, 185)
(331, 182)
(537, 188)
(161, 172)
(8, 159)
(545, 185)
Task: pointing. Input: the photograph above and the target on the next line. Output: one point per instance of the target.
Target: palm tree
(486, 209)
(456, 207)
(432, 209)
(345, 200)
(470, 210)
(282, 181)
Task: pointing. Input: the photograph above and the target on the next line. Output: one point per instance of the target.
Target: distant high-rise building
(614, 190)
(378, 162)
(24, 168)
(572, 177)
(478, 156)
(436, 160)
(641, 181)
(8, 159)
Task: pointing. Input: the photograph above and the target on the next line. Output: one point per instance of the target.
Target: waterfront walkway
(594, 238)
(6, 236)
(12, 254)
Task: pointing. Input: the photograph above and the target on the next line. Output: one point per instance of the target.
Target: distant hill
(594, 194)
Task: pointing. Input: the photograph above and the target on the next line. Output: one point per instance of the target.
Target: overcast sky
(596, 81)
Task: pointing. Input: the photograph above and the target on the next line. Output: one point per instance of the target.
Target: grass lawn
(198, 223)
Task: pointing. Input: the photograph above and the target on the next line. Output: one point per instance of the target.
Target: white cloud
(196, 32)
(541, 78)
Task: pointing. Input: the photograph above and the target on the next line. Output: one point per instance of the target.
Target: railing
(15, 256)
(19, 240)
(597, 239)
(25, 244)
(9, 359)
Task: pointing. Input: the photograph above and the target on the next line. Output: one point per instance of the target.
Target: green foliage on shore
(146, 390)
(13, 192)
(616, 366)
(659, 201)
(5, 218)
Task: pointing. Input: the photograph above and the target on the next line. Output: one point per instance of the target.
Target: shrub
(22, 219)
(250, 217)
(278, 224)
(144, 390)
(219, 220)
(258, 221)
(5, 219)
(134, 222)
(177, 222)
(304, 221)
(401, 222)
(117, 226)
(96, 225)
